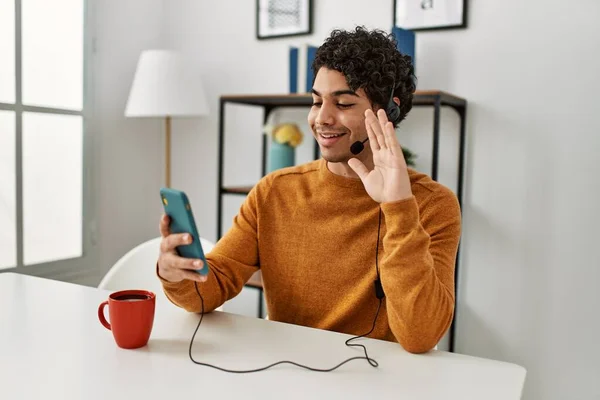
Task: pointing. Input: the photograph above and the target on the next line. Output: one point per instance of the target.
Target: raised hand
(389, 180)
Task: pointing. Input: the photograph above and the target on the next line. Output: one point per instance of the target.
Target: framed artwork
(422, 15)
(280, 18)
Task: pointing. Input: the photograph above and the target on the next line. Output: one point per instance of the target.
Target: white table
(52, 346)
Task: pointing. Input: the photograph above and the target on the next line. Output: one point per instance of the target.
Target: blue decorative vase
(281, 156)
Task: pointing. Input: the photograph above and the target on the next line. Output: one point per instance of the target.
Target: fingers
(169, 243)
(175, 262)
(359, 168)
(371, 134)
(374, 130)
(174, 268)
(164, 226)
(391, 141)
(382, 118)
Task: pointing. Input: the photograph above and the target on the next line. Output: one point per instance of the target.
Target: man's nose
(325, 116)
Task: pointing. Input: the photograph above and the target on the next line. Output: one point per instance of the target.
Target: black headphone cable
(379, 294)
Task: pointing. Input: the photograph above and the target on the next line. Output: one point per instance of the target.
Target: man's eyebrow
(338, 93)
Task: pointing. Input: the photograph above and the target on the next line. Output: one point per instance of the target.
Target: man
(322, 233)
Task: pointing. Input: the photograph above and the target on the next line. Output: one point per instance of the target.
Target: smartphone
(179, 210)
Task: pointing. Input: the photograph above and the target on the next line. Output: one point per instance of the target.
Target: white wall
(128, 153)
(528, 283)
(529, 287)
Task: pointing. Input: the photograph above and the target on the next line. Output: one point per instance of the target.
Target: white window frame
(76, 269)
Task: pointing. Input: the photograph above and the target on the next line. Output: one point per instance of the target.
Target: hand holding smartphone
(182, 256)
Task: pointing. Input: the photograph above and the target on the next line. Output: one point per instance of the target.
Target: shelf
(255, 280)
(275, 100)
(421, 98)
(237, 190)
(269, 102)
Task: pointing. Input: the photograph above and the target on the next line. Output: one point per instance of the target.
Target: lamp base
(168, 152)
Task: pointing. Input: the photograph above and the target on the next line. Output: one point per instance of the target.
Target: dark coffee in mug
(132, 297)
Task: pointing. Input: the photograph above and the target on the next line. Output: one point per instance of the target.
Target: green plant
(409, 156)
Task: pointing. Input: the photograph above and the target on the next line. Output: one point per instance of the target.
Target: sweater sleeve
(232, 262)
(417, 268)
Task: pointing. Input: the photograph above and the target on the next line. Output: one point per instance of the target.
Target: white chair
(137, 270)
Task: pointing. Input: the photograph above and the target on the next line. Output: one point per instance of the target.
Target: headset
(392, 110)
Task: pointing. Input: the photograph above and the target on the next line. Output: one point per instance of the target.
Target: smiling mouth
(331, 135)
(327, 140)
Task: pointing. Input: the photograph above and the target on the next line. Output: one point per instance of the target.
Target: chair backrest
(137, 269)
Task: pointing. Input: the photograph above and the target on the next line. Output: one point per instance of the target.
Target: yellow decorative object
(287, 133)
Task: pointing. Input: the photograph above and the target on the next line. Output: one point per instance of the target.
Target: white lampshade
(165, 85)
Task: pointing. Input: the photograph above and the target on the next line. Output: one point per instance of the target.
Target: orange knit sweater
(313, 234)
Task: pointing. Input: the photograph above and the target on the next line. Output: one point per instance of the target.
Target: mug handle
(101, 315)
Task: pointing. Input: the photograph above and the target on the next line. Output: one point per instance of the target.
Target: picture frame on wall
(424, 15)
(282, 18)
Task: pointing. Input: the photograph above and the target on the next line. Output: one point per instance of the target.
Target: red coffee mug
(131, 314)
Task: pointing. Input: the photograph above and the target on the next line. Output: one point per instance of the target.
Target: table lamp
(165, 85)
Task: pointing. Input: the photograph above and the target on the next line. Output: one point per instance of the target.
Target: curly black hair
(370, 60)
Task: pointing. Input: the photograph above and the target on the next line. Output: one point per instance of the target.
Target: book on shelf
(405, 42)
(300, 68)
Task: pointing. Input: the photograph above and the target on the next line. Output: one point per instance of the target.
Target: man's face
(337, 117)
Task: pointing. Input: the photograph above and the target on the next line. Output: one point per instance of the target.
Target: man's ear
(377, 108)
(396, 100)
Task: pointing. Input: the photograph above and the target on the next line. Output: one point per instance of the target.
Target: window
(41, 131)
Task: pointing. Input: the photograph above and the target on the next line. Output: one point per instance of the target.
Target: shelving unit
(429, 98)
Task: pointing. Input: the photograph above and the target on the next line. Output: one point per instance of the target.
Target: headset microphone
(358, 146)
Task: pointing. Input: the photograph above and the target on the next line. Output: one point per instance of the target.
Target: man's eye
(345, 105)
(315, 104)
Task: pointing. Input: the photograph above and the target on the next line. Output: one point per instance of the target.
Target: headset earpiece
(392, 109)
